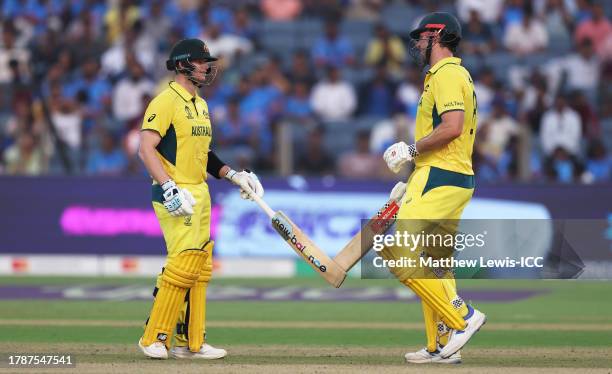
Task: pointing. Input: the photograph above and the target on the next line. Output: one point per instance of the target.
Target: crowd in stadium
(76, 77)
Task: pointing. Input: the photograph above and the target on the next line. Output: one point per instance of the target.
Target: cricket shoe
(207, 352)
(425, 357)
(474, 320)
(156, 350)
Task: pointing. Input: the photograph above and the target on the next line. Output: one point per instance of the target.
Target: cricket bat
(302, 244)
(363, 241)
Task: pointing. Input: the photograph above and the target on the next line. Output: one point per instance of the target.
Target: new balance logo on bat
(285, 230)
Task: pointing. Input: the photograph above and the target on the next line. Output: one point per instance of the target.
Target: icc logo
(188, 112)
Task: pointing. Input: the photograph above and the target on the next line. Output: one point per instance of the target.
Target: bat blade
(308, 250)
(361, 243)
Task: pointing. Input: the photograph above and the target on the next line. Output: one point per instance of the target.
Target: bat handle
(262, 204)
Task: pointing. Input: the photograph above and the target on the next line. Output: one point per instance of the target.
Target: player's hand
(247, 181)
(398, 154)
(398, 191)
(178, 201)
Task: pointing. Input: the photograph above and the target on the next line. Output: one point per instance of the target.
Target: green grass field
(568, 325)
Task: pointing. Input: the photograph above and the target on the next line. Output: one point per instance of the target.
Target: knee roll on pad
(183, 270)
(206, 272)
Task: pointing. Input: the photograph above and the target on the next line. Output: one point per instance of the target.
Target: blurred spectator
(558, 22)
(497, 131)
(297, 105)
(10, 51)
(360, 163)
(477, 36)
(588, 116)
(562, 166)
(67, 119)
(156, 23)
(527, 36)
(488, 10)
(275, 75)
(233, 130)
(25, 157)
(322, 8)
(376, 97)
(513, 12)
(85, 41)
(583, 11)
(97, 89)
(132, 45)
(225, 46)
(119, 17)
(582, 69)
(314, 159)
(485, 92)
(561, 128)
(598, 164)
(535, 100)
(386, 50)
(281, 10)
(597, 29)
(391, 130)
(128, 92)
(109, 159)
(300, 69)
(604, 91)
(333, 99)
(409, 91)
(332, 48)
(366, 10)
(243, 25)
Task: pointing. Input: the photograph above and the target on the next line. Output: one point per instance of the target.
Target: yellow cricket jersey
(183, 122)
(448, 86)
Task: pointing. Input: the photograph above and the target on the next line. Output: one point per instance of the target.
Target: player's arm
(149, 139)
(246, 179)
(448, 94)
(178, 201)
(448, 130)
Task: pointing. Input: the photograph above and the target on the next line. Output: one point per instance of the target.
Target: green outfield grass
(569, 316)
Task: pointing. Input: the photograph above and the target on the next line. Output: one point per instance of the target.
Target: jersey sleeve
(158, 116)
(449, 91)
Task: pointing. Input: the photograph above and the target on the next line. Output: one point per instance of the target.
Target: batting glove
(247, 181)
(398, 154)
(178, 201)
(398, 191)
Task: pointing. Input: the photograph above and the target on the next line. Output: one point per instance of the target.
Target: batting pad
(197, 304)
(433, 293)
(180, 273)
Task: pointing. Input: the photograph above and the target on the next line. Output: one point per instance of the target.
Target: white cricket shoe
(207, 352)
(156, 350)
(458, 338)
(425, 357)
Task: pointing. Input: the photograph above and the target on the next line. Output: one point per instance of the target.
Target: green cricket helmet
(182, 55)
(441, 24)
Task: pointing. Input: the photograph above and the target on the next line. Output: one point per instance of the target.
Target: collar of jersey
(444, 61)
(181, 91)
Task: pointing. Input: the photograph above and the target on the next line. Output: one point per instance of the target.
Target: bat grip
(262, 204)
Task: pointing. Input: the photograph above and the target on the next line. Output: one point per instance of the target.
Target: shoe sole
(142, 348)
(194, 356)
(447, 361)
(469, 337)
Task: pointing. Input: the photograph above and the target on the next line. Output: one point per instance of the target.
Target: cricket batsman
(441, 184)
(175, 148)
